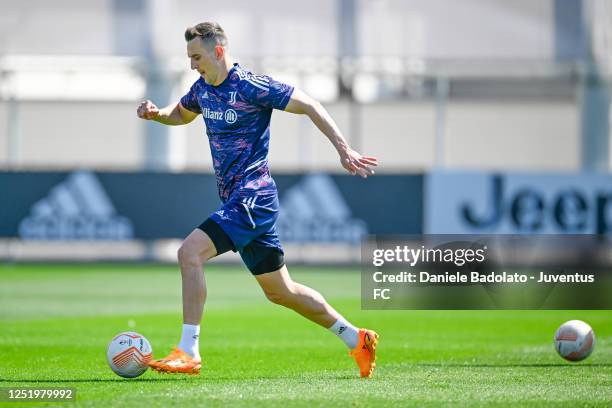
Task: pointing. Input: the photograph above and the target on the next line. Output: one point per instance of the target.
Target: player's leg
(195, 250)
(281, 289)
(263, 255)
(205, 242)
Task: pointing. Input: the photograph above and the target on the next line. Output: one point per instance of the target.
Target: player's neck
(226, 66)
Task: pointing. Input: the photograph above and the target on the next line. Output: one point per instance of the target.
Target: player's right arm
(173, 114)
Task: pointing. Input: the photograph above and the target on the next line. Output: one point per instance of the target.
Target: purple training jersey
(237, 116)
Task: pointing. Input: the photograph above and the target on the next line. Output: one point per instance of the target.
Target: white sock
(348, 333)
(190, 340)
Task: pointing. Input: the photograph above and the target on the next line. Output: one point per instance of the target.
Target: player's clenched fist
(147, 110)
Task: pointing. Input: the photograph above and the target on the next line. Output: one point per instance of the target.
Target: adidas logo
(205, 96)
(221, 213)
(314, 210)
(77, 208)
(341, 329)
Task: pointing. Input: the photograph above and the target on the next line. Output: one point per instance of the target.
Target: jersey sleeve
(190, 99)
(265, 91)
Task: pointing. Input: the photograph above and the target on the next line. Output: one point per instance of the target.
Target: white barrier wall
(506, 135)
(513, 135)
(76, 134)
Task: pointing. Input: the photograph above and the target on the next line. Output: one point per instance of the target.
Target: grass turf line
(57, 320)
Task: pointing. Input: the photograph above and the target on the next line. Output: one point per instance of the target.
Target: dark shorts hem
(258, 257)
(220, 239)
(273, 261)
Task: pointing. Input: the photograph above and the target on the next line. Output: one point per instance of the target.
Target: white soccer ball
(128, 354)
(574, 340)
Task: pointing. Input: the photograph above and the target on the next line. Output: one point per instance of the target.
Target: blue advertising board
(87, 205)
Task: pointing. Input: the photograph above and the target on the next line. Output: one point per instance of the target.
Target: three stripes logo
(314, 210)
(77, 208)
(249, 203)
(258, 81)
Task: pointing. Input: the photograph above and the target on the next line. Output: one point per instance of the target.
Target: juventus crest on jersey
(237, 117)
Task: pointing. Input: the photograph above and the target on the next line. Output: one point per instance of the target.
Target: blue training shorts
(247, 224)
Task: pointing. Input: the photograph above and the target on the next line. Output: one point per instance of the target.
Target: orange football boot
(365, 352)
(177, 362)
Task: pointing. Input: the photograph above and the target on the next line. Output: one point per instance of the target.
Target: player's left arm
(351, 160)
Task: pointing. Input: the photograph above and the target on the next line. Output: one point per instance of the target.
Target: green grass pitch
(56, 321)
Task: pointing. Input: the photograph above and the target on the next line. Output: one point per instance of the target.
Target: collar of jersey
(227, 78)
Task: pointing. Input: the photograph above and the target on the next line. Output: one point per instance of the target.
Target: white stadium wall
(4, 132)
(513, 135)
(529, 133)
(503, 135)
(539, 135)
(420, 28)
(56, 27)
(478, 29)
(76, 134)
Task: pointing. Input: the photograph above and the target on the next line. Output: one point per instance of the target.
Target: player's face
(204, 61)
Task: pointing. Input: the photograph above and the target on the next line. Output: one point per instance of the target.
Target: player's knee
(188, 256)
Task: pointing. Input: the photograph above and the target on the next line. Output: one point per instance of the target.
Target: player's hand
(147, 110)
(356, 164)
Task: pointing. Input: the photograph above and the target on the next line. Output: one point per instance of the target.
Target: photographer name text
(479, 277)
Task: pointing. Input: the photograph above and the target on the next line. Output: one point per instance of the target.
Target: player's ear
(219, 51)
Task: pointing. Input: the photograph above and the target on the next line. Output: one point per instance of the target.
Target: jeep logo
(528, 210)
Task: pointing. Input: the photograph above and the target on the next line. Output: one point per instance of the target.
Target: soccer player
(237, 106)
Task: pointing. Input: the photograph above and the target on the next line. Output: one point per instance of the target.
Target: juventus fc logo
(232, 97)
